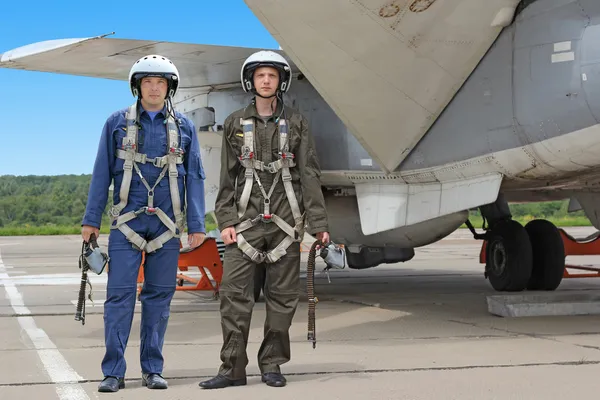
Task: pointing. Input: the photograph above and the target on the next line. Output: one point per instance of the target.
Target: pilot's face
(154, 92)
(266, 81)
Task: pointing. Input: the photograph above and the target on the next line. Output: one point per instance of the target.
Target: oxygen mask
(334, 256)
(94, 256)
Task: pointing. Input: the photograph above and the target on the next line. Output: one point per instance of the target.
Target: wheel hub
(498, 257)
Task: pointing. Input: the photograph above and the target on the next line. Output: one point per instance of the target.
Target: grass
(48, 230)
(559, 222)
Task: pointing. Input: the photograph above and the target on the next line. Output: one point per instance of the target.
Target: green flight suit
(282, 277)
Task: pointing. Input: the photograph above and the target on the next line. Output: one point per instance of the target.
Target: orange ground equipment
(206, 258)
(585, 247)
(588, 246)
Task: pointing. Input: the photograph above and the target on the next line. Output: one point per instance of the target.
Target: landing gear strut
(517, 257)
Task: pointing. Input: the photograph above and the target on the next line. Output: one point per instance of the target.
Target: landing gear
(517, 257)
(548, 255)
(508, 256)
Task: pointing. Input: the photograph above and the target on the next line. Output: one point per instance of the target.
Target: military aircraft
(421, 110)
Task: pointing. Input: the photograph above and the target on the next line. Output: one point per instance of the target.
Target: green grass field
(560, 222)
(28, 230)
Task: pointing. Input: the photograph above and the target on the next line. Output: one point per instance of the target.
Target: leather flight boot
(220, 381)
(111, 384)
(154, 381)
(274, 379)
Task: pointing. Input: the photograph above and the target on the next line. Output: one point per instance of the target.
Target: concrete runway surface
(419, 330)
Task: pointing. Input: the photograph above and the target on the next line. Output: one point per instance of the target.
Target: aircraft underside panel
(384, 206)
(345, 227)
(387, 68)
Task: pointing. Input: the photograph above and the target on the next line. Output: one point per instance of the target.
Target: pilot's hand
(196, 239)
(228, 235)
(86, 232)
(323, 237)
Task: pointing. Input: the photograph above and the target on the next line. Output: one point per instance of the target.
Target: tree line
(60, 200)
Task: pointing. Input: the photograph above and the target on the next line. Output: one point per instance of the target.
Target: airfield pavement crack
(346, 372)
(549, 337)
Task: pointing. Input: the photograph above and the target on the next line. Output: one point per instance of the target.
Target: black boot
(111, 384)
(154, 381)
(220, 381)
(274, 379)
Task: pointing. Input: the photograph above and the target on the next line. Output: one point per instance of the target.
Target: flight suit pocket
(236, 139)
(196, 168)
(294, 141)
(118, 136)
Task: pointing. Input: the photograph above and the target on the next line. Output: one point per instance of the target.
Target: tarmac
(417, 330)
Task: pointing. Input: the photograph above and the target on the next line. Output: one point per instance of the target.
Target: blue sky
(39, 134)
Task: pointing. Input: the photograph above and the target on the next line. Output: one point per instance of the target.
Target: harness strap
(286, 176)
(280, 168)
(174, 152)
(129, 144)
(142, 158)
(168, 163)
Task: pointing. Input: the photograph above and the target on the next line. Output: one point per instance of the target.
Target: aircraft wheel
(548, 255)
(509, 257)
(260, 276)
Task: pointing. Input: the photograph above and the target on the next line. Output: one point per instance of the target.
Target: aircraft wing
(102, 57)
(388, 68)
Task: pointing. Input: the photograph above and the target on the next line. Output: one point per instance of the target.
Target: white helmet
(266, 59)
(154, 65)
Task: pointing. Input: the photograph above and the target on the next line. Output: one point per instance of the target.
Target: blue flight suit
(160, 268)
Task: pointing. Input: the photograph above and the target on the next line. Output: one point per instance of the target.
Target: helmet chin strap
(265, 97)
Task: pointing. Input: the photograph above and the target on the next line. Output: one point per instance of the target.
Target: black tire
(548, 255)
(508, 257)
(260, 276)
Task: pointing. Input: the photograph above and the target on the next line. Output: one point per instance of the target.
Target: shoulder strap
(247, 161)
(286, 176)
(128, 150)
(173, 153)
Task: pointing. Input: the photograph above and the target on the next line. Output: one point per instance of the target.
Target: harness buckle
(247, 155)
(128, 146)
(176, 150)
(157, 161)
(266, 218)
(271, 168)
(150, 210)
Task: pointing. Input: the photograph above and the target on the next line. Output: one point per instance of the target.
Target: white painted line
(100, 302)
(562, 46)
(55, 365)
(73, 278)
(563, 57)
(10, 244)
(584, 77)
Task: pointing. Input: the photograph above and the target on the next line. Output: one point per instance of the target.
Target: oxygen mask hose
(310, 291)
(84, 266)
